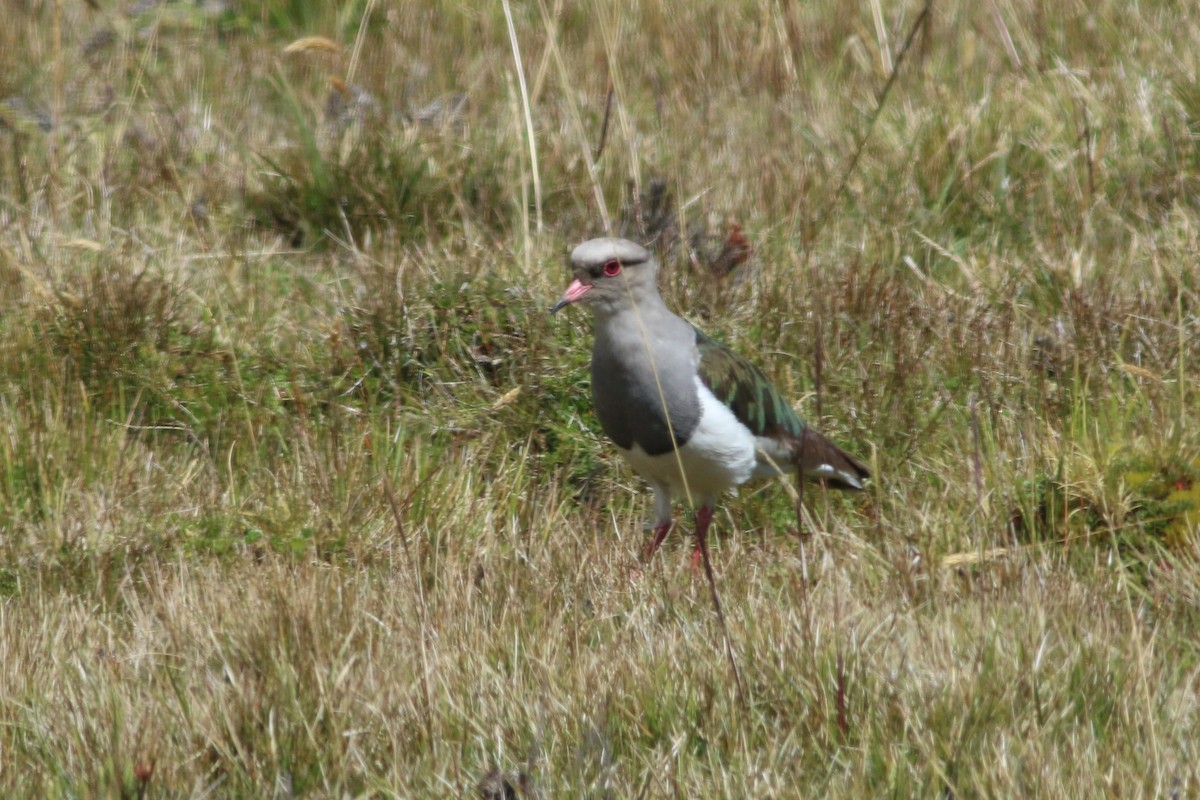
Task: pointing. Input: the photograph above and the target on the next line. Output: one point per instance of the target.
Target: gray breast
(630, 402)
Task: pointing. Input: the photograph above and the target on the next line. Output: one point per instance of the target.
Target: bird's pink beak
(576, 290)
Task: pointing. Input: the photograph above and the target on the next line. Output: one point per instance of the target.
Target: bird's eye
(612, 268)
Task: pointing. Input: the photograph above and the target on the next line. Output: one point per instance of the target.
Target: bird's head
(610, 274)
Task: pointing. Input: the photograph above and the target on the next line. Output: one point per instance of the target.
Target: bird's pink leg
(660, 533)
(704, 518)
(662, 515)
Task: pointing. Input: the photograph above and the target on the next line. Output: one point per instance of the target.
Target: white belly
(722, 453)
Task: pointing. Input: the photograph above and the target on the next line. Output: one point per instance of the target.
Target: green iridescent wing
(745, 389)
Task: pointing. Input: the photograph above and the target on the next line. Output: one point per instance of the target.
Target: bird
(691, 416)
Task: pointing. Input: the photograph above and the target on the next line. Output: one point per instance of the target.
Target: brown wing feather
(815, 453)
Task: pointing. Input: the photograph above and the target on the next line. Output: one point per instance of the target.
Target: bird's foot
(801, 531)
(660, 534)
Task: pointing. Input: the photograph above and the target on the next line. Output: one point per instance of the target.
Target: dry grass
(300, 489)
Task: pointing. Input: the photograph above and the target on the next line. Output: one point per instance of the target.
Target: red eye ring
(612, 268)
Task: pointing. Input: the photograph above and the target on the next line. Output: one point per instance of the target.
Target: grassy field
(301, 492)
